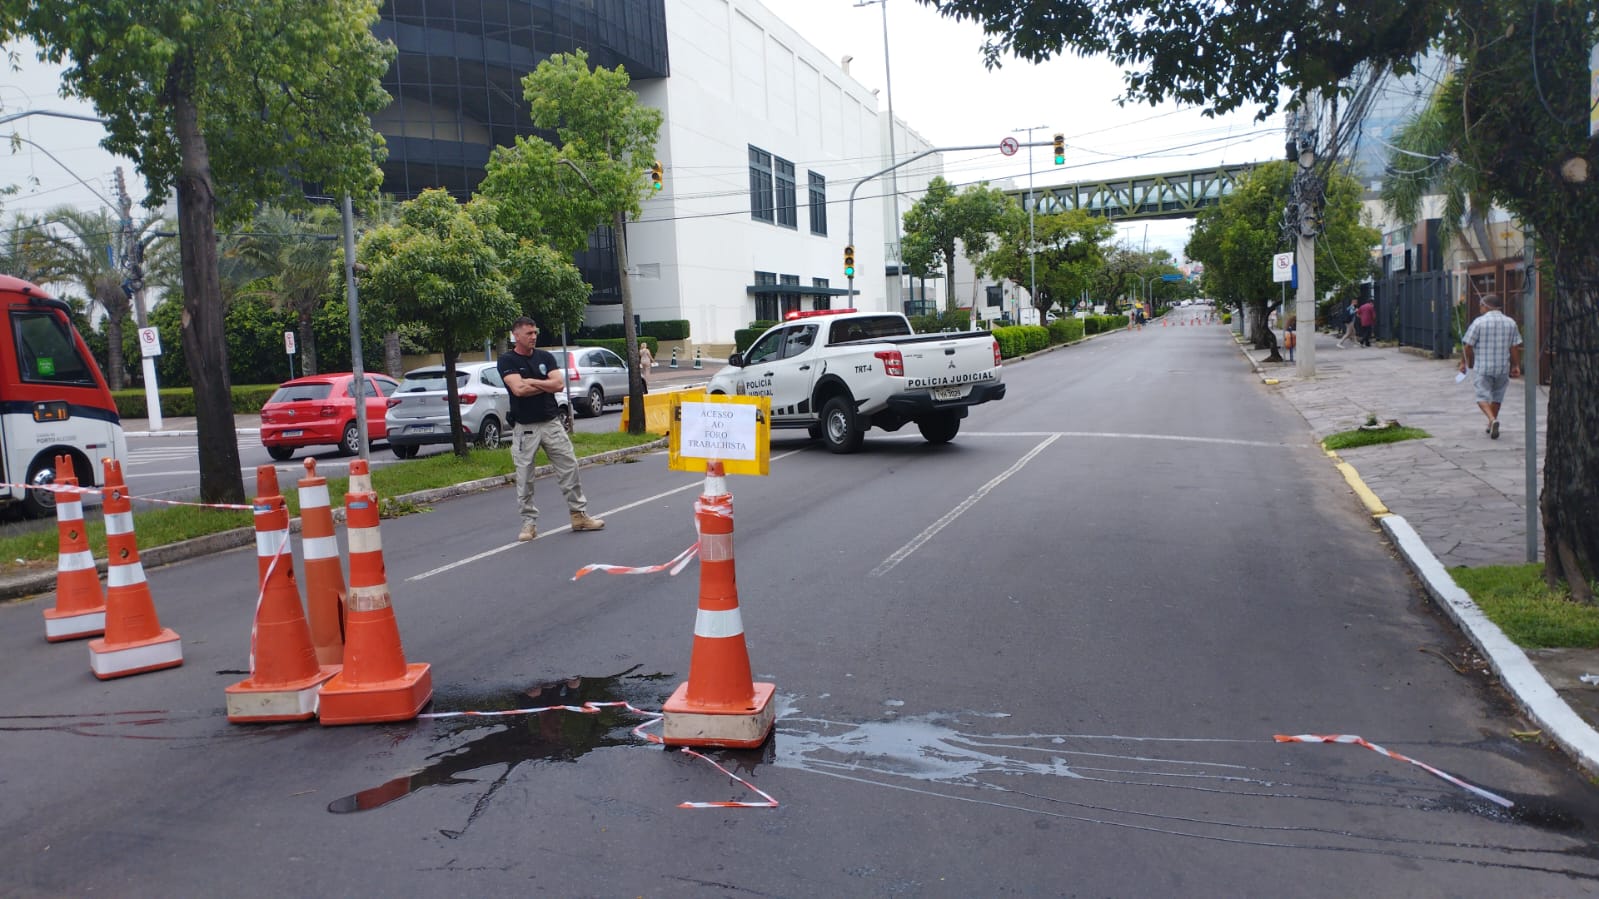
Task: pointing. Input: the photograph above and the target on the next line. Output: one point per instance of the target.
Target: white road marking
(904, 552)
(566, 527)
(1107, 435)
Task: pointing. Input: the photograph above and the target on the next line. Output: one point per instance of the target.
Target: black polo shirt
(540, 406)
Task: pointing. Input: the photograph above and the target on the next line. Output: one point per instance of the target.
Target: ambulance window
(46, 352)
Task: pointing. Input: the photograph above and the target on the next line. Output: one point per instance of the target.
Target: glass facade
(457, 85)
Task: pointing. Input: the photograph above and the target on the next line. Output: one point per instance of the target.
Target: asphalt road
(1046, 659)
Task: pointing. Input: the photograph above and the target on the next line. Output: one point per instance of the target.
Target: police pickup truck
(839, 372)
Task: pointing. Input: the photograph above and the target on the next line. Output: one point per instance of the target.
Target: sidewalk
(1456, 498)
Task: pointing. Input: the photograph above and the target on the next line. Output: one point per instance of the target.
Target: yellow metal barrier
(658, 410)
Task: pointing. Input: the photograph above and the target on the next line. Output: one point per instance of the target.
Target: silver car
(419, 411)
(595, 375)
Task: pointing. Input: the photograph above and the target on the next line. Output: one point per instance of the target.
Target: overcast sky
(940, 88)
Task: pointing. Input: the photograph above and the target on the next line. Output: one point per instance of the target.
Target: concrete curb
(1531, 691)
(34, 583)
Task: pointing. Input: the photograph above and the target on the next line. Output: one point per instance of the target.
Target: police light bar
(814, 312)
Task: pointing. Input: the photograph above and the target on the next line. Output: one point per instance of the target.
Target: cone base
(164, 650)
(60, 625)
(294, 701)
(687, 724)
(393, 700)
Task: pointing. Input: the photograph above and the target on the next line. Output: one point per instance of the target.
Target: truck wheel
(42, 503)
(939, 428)
(841, 430)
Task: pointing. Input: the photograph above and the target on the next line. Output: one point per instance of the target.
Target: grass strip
(1371, 437)
(157, 526)
(1533, 616)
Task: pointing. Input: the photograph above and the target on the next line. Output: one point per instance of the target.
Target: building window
(786, 194)
(789, 301)
(761, 185)
(766, 303)
(821, 300)
(818, 204)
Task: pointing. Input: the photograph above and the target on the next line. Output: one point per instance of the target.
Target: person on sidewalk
(1351, 321)
(534, 378)
(1492, 350)
(1367, 313)
(1290, 337)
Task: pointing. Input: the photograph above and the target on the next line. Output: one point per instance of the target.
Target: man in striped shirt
(1492, 350)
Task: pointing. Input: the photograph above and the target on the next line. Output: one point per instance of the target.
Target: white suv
(419, 410)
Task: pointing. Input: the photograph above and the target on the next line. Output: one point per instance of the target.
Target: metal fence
(1418, 311)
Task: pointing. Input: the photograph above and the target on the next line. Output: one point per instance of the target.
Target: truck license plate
(948, 393)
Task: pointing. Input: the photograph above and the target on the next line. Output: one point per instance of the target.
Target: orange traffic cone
(134, 640)
(324, 572)
(376, 683)
(284, 675)
(80, 604)
(720, 704)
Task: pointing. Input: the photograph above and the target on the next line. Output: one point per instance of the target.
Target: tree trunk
(1569, 504)
(113, 332)
(308, 364)
(204, 341)
(951, 302)
(452, 395)
(635, 378)
(392, 361)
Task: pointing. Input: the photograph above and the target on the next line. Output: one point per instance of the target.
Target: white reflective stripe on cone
(319, 547)
(364, 540)
(271, 543)
(124, 575)
(78, 561)
(716, 547)
(312, 497)
(718, 624)
(119, 523)
(368, 599)
(715, 486)
(72, 510)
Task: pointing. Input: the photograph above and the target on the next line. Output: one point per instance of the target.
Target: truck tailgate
(949, 366)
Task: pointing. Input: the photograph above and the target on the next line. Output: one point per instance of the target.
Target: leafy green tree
(437, 268)
(1068, 249)
(299, 252)
(227, 104)
(593, 175)
(942, 218)
(1237, 238)
(1524, 111)
(84, 248)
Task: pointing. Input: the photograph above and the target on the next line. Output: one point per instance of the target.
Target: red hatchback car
(318, 410)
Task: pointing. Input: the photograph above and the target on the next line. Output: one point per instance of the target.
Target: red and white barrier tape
(63, 488)
(1361, 741)
(593, 708)
(672, 566)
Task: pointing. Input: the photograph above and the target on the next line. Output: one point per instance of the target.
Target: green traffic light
(657, 185)
(1060, 160)
(849, 271)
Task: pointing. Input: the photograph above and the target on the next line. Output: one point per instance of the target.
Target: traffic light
(849, 261)
(655, 175)
(1060, 149)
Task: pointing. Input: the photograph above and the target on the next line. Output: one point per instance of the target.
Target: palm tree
(298, 255)
(87, 257)
(1424, 161)
(26, 250)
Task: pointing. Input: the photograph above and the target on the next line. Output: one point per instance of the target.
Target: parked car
(595, 376)
(318, 410)
(419, 411)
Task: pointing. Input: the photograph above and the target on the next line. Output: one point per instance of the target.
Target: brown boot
(529, 532)
(582, 522)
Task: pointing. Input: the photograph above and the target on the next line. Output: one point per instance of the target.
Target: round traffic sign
(1008, 146)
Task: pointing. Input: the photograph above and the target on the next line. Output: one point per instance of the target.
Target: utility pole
(893, 162)
(1032, 203)
(1304, 215)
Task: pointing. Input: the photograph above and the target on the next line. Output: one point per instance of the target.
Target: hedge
(666, 329)
(1065, 330)
(179, 401)
(619, 345)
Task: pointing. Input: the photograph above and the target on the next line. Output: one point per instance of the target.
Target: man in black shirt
(534, 377)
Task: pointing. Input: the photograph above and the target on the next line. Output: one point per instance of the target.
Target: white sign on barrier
(719, 431)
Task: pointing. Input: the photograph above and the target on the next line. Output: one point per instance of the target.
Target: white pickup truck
(840, 372)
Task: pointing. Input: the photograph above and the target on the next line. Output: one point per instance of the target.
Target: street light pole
(893, 158)
(1032, 261)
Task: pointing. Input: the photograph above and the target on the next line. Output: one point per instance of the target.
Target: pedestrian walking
(1491, 348)
(1351, 321)
(534, 378)
(646, 359)
(1367, 313)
